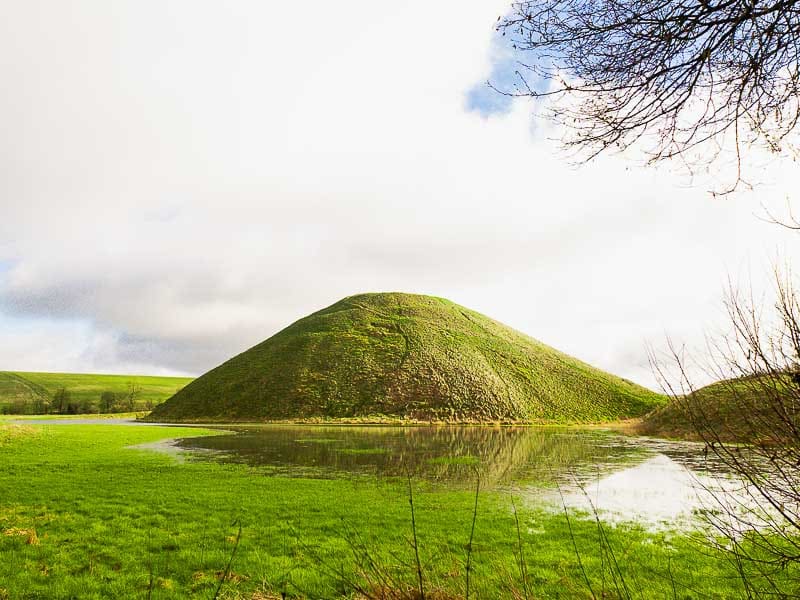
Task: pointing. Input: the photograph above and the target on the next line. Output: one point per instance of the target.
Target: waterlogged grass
(455, 460)
(364, 451)
(83, 515)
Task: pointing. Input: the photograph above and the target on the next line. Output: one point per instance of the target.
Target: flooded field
(623, 478)
(301, 509)
(657, 483)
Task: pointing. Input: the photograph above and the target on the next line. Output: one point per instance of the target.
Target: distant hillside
(735, 410)
(407, 356)
(22, 392)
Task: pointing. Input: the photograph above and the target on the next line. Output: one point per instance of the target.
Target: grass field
(19, 391)
(82, 515)
(407, 356)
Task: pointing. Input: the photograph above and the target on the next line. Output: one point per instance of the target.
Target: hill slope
(733, 410)
(408, 356)
(16, 390)
(20, 390)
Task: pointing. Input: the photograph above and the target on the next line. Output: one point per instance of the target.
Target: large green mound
(407, 356)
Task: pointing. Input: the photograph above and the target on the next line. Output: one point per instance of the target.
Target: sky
(181, 179)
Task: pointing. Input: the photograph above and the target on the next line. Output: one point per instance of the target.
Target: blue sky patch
(508, 73)
(504, 76)
(485, 101)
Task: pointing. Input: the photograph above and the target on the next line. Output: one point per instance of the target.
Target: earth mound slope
(405, 356)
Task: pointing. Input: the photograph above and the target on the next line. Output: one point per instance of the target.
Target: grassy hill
(735, 410)
(20, 392)
(407, 356)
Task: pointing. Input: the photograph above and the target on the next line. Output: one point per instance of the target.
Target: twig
(416, 545)
(523, 569)
(151, 582)
(575, 545)
(230, 560)
(471, 536)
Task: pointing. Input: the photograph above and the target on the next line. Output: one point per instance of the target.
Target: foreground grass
(83, 515)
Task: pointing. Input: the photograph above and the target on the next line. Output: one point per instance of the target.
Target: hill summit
(407, 356)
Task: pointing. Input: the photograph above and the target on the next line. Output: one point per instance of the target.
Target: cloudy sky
(181, 179)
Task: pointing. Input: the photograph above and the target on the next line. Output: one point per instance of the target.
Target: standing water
(653, 482)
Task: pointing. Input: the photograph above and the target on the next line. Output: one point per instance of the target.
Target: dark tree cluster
(676, 75)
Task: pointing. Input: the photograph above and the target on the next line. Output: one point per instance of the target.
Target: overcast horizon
(181, 180)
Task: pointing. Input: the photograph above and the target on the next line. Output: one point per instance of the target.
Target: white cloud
(186, 178)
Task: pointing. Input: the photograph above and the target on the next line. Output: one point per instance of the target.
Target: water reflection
(657, 491)
(500, 455)
(677, 485)
(654, 482)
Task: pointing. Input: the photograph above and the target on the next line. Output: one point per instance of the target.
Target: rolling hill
(746, 409)
(20, 391)
(405, 356)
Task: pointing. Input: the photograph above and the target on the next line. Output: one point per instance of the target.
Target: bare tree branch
(676, 75)
(750, 421)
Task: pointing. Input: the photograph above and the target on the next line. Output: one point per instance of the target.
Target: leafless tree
(750, 421)
(131, 396)
(675, 75)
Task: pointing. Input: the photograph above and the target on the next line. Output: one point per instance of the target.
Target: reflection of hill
(453, 454)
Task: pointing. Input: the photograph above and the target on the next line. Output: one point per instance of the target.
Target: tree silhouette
(670, 75)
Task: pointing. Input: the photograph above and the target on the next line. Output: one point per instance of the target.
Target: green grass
(364, 451)
(83, 515)
(410, 357)
(22, 389)
(121, 415)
